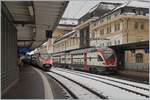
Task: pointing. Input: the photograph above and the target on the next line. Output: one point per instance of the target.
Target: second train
(96, 60)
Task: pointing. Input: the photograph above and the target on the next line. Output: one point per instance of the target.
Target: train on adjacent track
(41, 60)
(95, 60)
(45, 60)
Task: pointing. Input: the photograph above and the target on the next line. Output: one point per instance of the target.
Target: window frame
(139, 58)
(136, 24)
(99, 58)
(142, 26)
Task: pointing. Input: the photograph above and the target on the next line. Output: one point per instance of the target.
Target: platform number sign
(146, 50)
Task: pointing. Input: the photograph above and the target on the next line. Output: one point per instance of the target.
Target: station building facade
(68, 41)
(79, 37)
(48, 46)
(60, 31)
(125, 23)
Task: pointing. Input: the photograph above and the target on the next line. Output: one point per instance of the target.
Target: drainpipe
(126, 54)
(127, 29)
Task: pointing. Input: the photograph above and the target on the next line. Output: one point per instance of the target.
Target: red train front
(109, 59)
(45, 61)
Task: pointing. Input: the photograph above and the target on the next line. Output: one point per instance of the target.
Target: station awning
(33, 18)
(132, 46)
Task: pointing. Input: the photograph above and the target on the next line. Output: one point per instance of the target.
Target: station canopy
(33, 18)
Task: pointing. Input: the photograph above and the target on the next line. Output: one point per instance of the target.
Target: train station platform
(29, 86)
(34, 84)
(138, 76)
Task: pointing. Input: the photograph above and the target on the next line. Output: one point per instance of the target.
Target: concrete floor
(30, 86)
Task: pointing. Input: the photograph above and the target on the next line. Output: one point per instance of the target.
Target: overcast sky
(77, 8)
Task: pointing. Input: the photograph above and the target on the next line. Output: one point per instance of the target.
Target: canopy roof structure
(33, 18)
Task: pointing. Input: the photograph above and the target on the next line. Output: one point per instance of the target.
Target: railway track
(72, 95)
(139, 90)
(70, 86)
(133, 84)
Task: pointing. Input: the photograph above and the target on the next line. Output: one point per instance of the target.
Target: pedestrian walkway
(140, 76)
(29, 86)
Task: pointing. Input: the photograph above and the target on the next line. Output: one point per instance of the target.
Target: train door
(65, 58)
(59, 58)
(85, 61)
(120, 59)
(71, 58)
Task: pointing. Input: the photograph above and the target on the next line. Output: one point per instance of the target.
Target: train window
(99, 58)
(142, 26)
(109, 55)
(103, 44)
(44, 56)
(90, 58)
(115, 42)
(118, 41)
(136, 25)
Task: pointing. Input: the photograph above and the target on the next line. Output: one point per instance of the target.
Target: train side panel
(94, 60)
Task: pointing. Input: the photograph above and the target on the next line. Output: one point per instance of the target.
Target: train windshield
(99, 58)
(109, 55)
(45, 56)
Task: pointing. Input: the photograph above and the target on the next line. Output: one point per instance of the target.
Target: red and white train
(96, 60)
(41, 60)
(45, 61)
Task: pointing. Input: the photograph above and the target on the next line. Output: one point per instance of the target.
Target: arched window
(142, 26)
(136, 25)
(139, 58)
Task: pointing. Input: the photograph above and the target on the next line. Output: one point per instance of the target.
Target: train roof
(79, 51)
(92, 49)
(57, 54)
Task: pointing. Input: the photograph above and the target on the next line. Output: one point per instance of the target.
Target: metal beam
(23, 22)
(65, 18)
(131, 46)
(31, 40)
(61, 14)
(24, 40)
